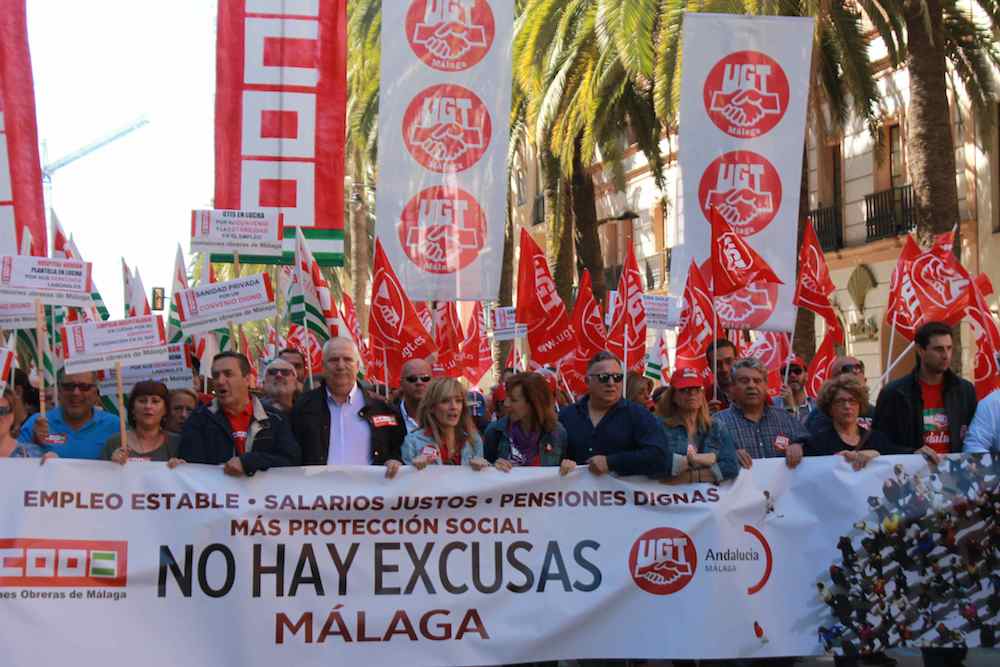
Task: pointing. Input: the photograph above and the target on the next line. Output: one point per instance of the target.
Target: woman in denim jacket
(530, 434)
(688, 426)
(447, 434)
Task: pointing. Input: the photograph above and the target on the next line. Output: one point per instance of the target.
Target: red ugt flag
(694, 331)
(550, 334)
(941, 283)
(814, 287)
(734, 263)
(591, 337)
(987, 335)
(476, 354)
(448, 339)
(394, 329)
(819, 367)
(904, 310)
(627, 337)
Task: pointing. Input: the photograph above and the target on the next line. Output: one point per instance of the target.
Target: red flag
(627, 336)
(351, 320)
(772, 348)
(476, 354)
(21, 177)
(942, 284)
(734, 263)
(425, 315)
(448, 340)
(512, 358)
(819, 367)
(903, 309)
(814, 286)
(305, 341)
(394, 329)
(987, 337)
(694, 331)
(591, 337)
(550, 334)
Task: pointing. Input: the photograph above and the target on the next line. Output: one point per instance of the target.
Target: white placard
(17, 315)
(505, 324)
(92, 346)
(443, 135)
(609, 314)
(216, 305)
(174, 373)
(657, 310)
(742, 119)
(55, 282)
(244, 232)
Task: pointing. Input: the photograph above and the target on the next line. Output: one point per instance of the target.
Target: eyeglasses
(845, 401)
(796, 370)
(852, 368)
(413, 379)
(607, 378)
(5, 410)
(70, 387)
(280, 371)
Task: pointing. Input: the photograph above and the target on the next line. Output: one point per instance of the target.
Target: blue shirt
(984, 431)
(628, 435)
(759, 438)
(84, 443)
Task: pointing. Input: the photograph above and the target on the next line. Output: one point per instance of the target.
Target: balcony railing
(829, 227)
(889, 213)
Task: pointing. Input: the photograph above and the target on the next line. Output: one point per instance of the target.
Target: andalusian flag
(174, 333)
(658, 362)
(311, 305)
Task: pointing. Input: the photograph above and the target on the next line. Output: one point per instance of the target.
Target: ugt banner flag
(743, 110)
(444, 111)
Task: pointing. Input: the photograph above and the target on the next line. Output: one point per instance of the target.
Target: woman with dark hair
(447, 434)
(691, 431)
(530, 434)
(148, 440)
(9, 446)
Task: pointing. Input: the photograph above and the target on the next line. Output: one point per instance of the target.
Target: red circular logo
(743, 188)
(447, 128)
(389, 301)
(450, 36)
(662, 561)
(442, 229)
(747, 308)
(746, 94)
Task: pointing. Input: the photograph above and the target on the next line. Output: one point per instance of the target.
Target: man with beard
(720, 355)
(793, 394)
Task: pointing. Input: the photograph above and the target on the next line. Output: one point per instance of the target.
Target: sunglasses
(607, 378)
(796, 370)
(413, 379)
(280, 371)
(852, 368)
(6, 410)
(70, 387)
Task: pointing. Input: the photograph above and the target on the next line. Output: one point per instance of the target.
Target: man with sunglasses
(415, 377)
(609, 434)
(793, 394)
(74, 430)
(817, 421)
(340, 423)
(281, 386)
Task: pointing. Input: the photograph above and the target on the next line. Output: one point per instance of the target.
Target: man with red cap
(793, 390)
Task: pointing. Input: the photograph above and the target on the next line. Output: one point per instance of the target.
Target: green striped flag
(311, 304)
(103, 564)
(174, 332)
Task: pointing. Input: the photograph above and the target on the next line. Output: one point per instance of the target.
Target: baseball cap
(684, 378)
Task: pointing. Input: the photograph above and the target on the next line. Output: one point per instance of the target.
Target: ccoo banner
(22, 210)
(280, 106)
(444, 112)
(447, 566)
(743, 110)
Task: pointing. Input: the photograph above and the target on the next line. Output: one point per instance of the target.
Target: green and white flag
(174, 333)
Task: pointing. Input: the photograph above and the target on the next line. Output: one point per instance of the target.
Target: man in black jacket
(236, 430)
(929, 411)
(340, 423)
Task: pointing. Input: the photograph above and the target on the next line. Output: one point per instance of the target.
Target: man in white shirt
(414, 378)
(337, 423)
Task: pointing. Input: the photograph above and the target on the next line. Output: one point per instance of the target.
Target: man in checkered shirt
(760, 431)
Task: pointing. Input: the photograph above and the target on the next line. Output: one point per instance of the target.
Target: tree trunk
(506, 297)
(588, 243)
(361, 257)
(559, 221)
(804, 343)
(931, 148)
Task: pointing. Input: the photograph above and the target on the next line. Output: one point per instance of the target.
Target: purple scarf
(524, 447)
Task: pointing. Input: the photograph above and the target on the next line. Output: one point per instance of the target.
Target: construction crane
(53, 167)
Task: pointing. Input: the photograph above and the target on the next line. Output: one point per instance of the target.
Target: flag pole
(715, 349)
(625, 360)
(892, 339)
(895, 363)
(39, 337)
(52, 347)
(121, 407)
(237, 270)
(791, 345)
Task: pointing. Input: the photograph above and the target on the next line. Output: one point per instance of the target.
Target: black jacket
(310, 419)
(207, 438)
(899, 412)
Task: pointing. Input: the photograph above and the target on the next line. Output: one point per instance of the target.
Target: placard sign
(216, 305)
(244, 232)
(17, 316)
(54, 282)
(173, 373)
(505, 324)
(657, 309)
(94, 346)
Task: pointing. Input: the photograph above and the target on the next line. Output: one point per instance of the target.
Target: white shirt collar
(352, 398)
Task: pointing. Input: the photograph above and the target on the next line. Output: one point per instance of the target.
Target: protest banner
(22, 206)
(237, 232)
(657, 310)
(280, 118)
(505, 325)
(53, 282)
(338, 565)
(95, 346)
(17, 315)
(174, 373)
(442, 138)
(743, 96)
(204, 308)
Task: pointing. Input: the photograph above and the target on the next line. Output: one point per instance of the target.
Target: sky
(97, 67)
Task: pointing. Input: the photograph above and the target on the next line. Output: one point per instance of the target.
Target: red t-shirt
(240, 425)
(936, 434)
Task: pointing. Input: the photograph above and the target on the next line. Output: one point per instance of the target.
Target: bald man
(414, 378)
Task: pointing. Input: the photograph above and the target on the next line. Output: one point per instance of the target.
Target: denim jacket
(498, 443)
(716, 440)
(415, 442)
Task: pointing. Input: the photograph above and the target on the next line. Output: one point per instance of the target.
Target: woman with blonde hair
(447, 433)
(689, 428)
